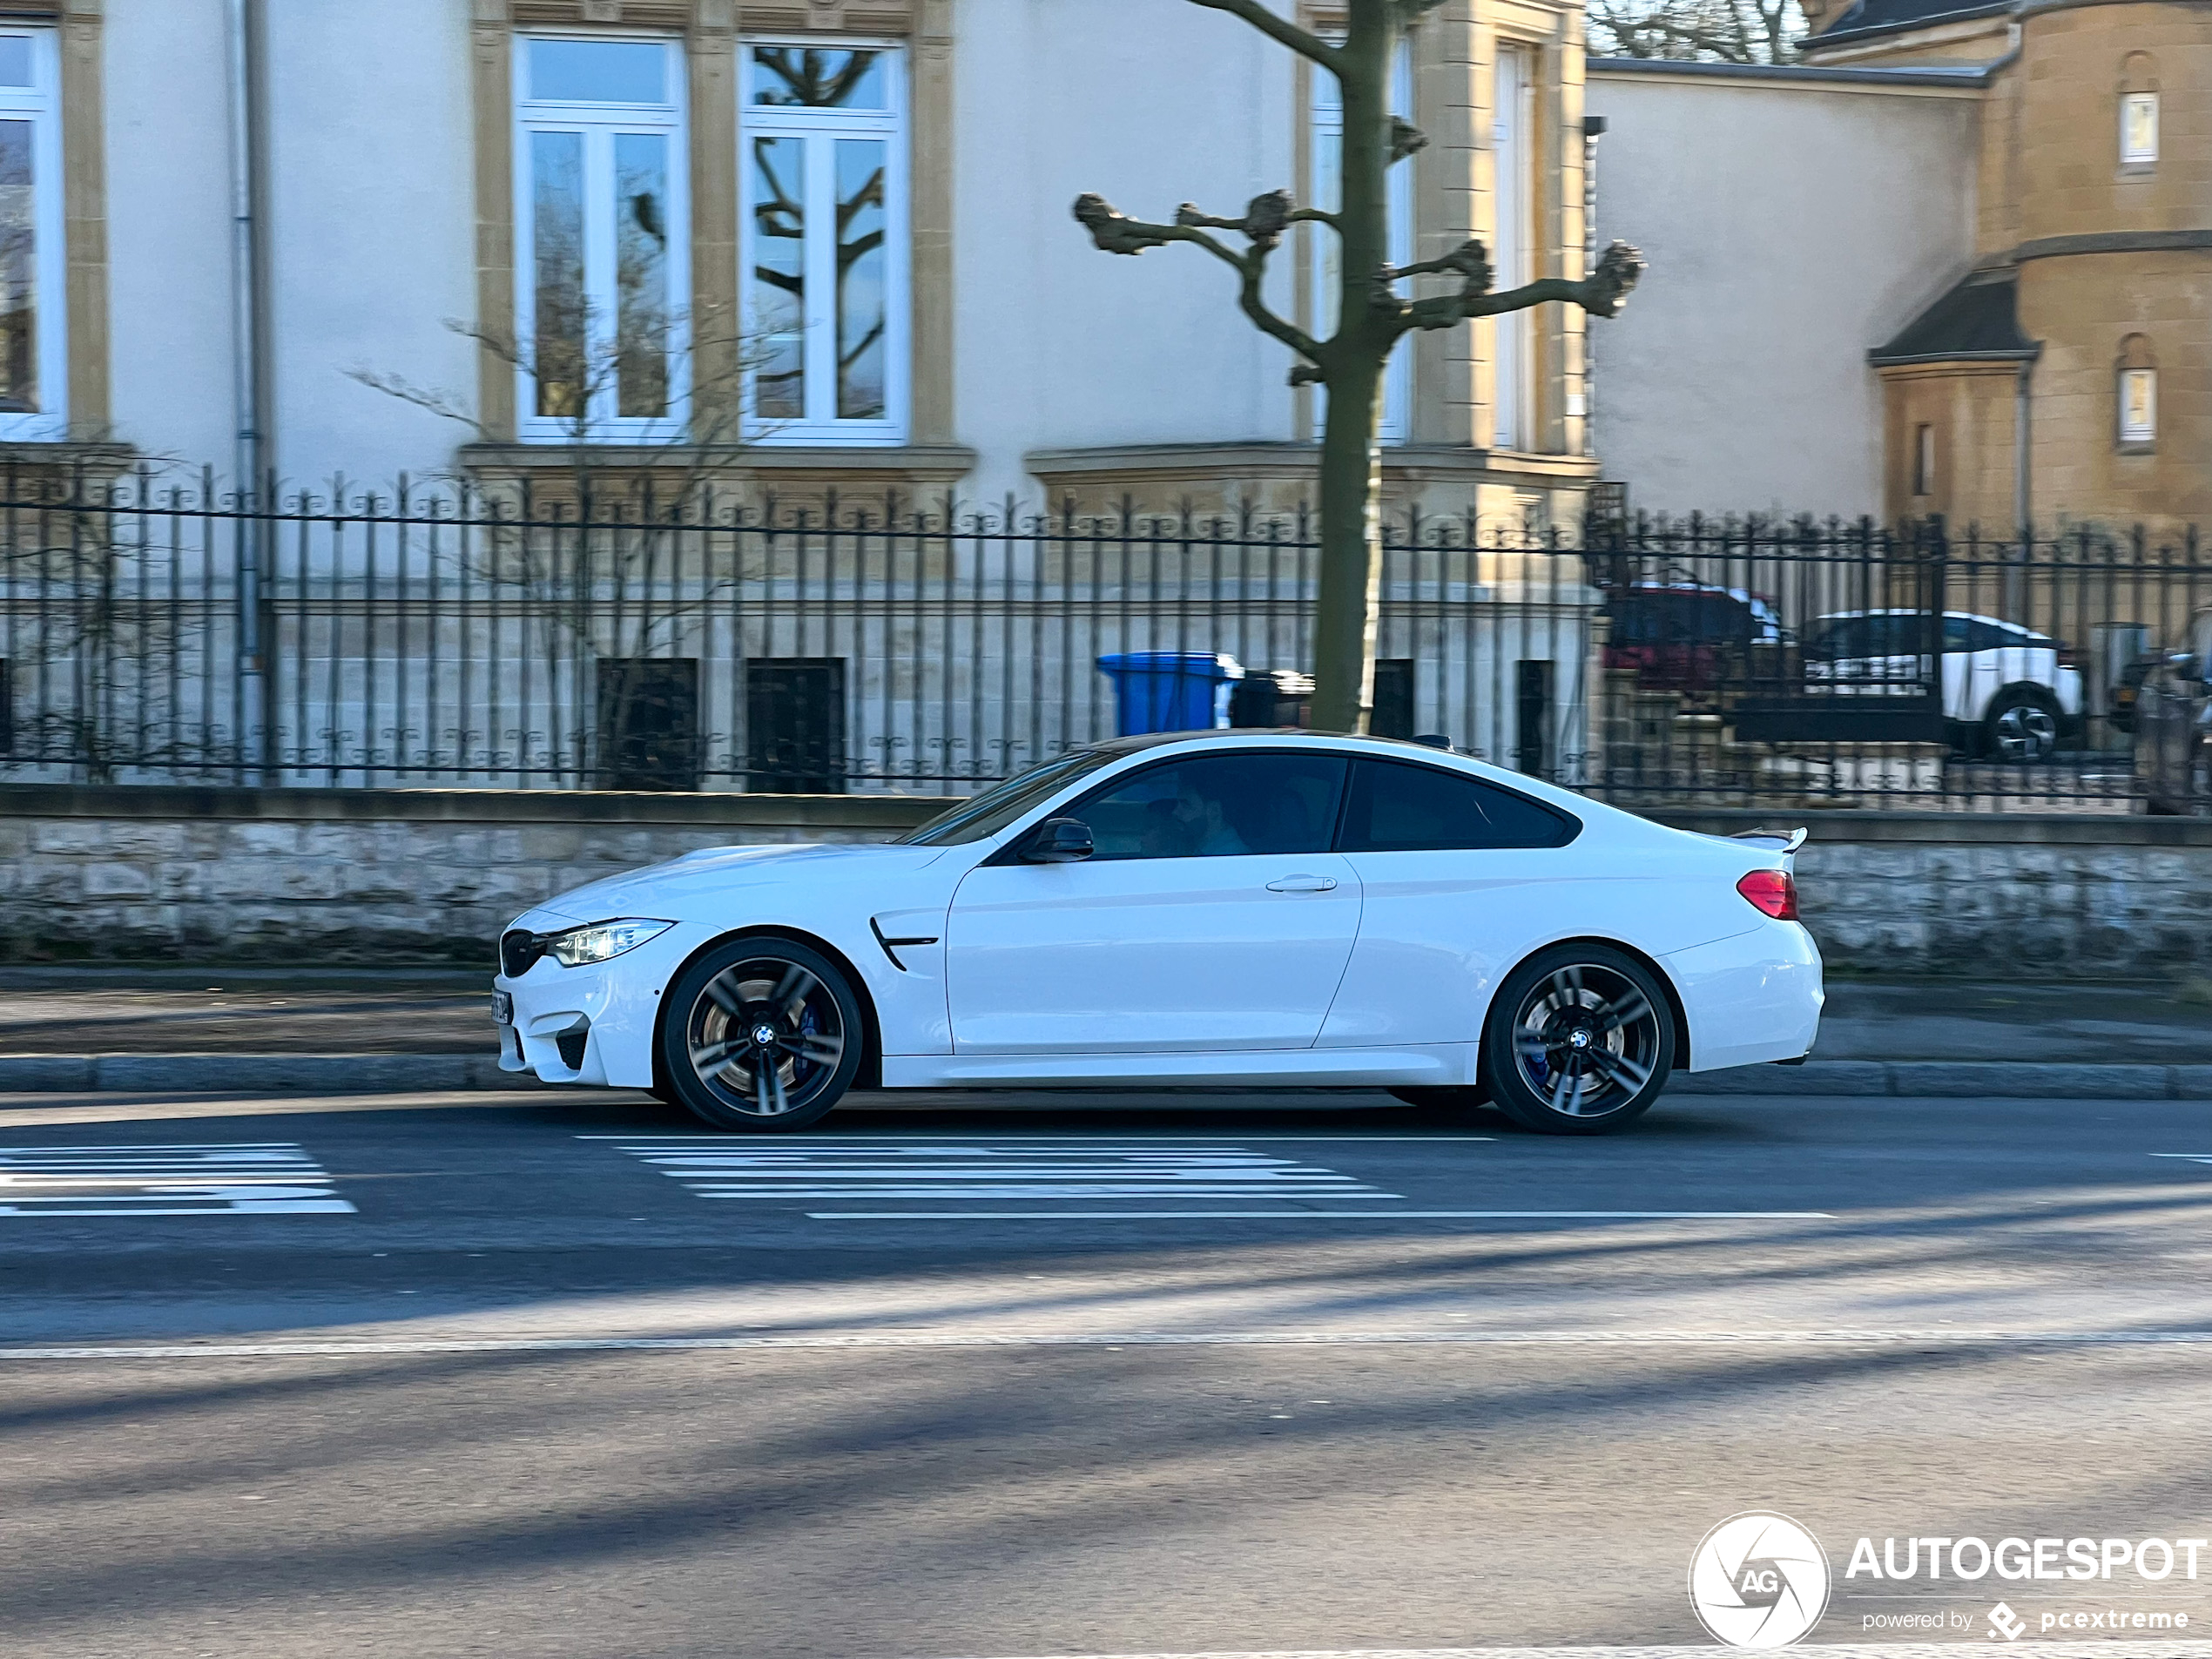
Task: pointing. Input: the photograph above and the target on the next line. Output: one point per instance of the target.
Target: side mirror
(1059, 841)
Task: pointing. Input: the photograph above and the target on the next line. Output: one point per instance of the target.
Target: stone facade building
(2067, 375)
(1958, 261)
(417, 167)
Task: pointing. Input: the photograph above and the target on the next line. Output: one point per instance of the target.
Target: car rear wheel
(761, 1034)
(1580, 1041)
(2023, 724)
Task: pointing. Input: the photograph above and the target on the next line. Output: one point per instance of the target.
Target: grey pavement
(545, 1373)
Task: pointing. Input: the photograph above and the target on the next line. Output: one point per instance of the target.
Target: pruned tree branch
(1302, 41)
(1601, 294)
(1267, 218)
(1405, 139)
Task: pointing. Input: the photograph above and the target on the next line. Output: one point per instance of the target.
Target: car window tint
(988, 813)
(1399, 807)
(1217, 806)
(1958, 634)
(1984, 636)
(1841, 640)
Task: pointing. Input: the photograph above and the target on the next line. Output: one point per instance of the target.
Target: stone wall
(91, 874)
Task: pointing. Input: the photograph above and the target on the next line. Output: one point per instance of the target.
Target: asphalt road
(1178, 1374)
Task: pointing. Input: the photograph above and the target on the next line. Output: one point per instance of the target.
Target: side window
(1842, 640)
(1982, 636)
(1958, 634)
(1217, 806)
(1399, 807)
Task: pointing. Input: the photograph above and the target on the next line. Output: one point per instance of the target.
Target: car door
(1458, 878)
(1211, 915)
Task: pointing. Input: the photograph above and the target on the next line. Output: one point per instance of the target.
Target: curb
(395, 1074)
(254, 1073)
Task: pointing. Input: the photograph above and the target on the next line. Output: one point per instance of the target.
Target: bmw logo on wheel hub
(1760, 1581)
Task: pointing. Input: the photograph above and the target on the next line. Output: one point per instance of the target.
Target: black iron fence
(155, 633)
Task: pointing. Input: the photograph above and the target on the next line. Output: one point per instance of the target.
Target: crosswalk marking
(997, 1168)
(226, 1178)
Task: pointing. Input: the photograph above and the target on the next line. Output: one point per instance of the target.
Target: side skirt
(1441, 1064)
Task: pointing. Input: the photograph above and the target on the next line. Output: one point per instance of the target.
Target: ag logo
(1758, 1580)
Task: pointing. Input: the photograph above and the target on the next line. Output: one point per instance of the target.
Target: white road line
(950, 1137)
(2190, 1158)
(993, 1168)
(319, 1348)
(2154, 1648)
(1314, 1215)
(205, 1178)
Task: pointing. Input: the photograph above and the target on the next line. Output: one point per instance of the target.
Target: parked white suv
(2006, 689)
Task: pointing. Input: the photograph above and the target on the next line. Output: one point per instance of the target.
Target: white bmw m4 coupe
(1234, 909)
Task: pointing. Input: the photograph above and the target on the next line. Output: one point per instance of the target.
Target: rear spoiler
(1780, 841)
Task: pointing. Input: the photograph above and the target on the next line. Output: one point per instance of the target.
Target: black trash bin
(1271, 697)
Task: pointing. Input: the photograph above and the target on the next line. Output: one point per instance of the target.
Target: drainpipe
(255, 734)
(2023, 466)
(1592, 129)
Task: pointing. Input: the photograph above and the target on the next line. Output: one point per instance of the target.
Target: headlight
(603, 941)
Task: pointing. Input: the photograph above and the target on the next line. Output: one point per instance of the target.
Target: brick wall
(89, 873)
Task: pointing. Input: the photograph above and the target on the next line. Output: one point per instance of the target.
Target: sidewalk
(358, 1030)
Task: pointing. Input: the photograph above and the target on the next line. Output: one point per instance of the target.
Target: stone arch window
(2138, 113)
(2136, 383)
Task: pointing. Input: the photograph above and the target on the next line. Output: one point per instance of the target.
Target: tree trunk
(1352, 370)
(1343, 644)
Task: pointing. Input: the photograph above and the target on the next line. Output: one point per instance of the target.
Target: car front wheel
(1580, 1041)
(761, 1034)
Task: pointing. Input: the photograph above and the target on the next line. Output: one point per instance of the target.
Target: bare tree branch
(1265, 221)
(1277, 27)
(1601, 294)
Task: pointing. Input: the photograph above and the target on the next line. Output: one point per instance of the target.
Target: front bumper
(602, 1014)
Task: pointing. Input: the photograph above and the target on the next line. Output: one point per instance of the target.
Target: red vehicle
(1687, 636)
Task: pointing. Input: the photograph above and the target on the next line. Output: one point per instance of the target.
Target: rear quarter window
(1400, 806)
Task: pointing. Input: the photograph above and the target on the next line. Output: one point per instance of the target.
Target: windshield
(991, 812)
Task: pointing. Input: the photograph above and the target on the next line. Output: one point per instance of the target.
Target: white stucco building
(426, 175)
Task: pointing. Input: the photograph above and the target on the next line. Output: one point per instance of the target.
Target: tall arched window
(2138, 393)
(2138, 113)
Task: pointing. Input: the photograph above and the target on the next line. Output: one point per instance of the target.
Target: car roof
(1948, 616)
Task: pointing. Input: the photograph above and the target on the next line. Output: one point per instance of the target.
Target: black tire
(756, 998)
(1580, 1041)
(2023, 725)
(1459, 1099)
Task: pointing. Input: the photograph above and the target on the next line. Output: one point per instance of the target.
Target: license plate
(503, 1007)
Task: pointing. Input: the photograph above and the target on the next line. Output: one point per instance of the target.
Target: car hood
(660, 889)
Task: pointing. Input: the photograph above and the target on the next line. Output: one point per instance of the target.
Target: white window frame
(41, 104)
(821, 128)
(1512, 177)
(2134, 433)
(2142, 156)
(599, 122)
(1325, 122)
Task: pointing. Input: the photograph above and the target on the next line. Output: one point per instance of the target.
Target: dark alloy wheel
(761, 1034)
(2023, 725)
(1580, 1041)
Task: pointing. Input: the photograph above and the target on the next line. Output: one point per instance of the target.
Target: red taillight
(2069, 658)
(1773, 891)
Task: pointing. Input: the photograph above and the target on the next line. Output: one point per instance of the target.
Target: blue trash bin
(1170, 691)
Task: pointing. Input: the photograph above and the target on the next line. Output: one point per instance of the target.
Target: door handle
(1303, 884)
